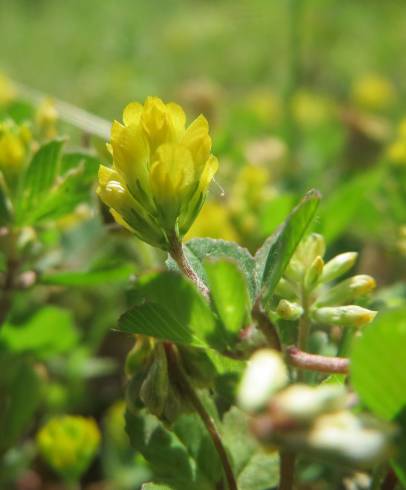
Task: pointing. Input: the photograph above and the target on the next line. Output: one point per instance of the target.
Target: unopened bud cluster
(311, 419)
(151, 383)
(313, 285)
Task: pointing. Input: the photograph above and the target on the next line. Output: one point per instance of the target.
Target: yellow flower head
(161, 170)
(373, 92)
(68, 444)
(13, 148)
(7, 90)
(47, 118)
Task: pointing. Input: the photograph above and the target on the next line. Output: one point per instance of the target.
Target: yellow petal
(106, 174)
(198, 141)
(178, 119)
(130, 155)
(208, 173)
(132, 113)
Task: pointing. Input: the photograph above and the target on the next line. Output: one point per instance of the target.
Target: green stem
(286, 470)
(266, 327)
(187, 389)
(12, 265)
(304, 323)
(345, 342)
(177, 253)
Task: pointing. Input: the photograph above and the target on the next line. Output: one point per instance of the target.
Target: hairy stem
(390, 481)
(313, 362)
(287, 470)
(187, 389)
(177, 253)
(266, 327)
(304, 322)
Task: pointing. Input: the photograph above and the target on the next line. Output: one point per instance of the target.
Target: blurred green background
(100, 54)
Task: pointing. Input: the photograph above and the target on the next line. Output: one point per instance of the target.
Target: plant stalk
(12, 265)
(287, 470)
(266, 327)
(314, 362)
(177, 253)
(187, 389)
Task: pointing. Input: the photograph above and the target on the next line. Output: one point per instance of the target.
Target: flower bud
(338, 266)
(198, 366)
(350, 438)
(286, 289)
(13, 150)
(266, 373)
(295, 270)
(302, 404)
(313, 273)
(347, 290)
(345, 316)
(47, 117)
(288, 310)
(154, 389)
(138, 354)
(309, 248)
(68, 444)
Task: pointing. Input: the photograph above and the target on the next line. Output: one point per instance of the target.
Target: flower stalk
(186, 388)
(313, 362)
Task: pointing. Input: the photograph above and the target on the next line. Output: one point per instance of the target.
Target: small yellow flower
(13, 149)
(47, 117)
(161, 171)
(312, 110)
(397, 152)
(7, 90)
(214, 221)
(68, 444)
(373, 92)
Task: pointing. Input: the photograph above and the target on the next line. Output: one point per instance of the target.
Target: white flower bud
(345, 435)
(338, 266)
(266, 373)
(303, 403)
(345, 316)
(348, 290)
(313, 273)
(288, 310)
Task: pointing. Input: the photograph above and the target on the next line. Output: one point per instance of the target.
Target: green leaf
(39, 177)
(169, 307)
(74, 159)
(261, 472)
(274, 255)
(62, 198)
(176, 457)
(378, 373)
(200, 249)
(95, 277)
(274, 212)
(255, 469)
(49, 332)
(229, 292)
(377, 364)
(20, 394)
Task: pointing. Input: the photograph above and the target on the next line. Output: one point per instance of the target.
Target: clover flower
(161, 171)
(68, 444)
